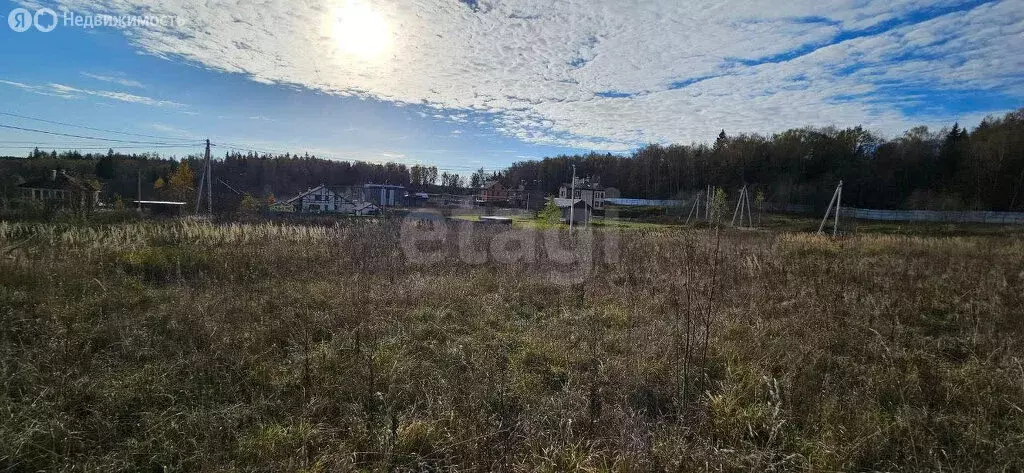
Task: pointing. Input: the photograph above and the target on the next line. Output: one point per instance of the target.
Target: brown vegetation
(281, 348)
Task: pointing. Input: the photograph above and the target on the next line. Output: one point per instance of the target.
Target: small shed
(577, 209)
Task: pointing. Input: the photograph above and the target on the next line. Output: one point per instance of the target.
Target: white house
(590, 192)
(320, 199)
(315, 200)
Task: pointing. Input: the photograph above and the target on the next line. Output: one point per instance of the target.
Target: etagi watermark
(46, 20)
(564, 258)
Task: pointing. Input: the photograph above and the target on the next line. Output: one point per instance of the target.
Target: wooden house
(62, 190)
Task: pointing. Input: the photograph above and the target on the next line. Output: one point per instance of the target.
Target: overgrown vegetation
(199, 347)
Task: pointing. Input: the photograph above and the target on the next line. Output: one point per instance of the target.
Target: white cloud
(69, 92)
(40, 90)
(131, 98)
(551, 71)
(172, 130)
(116, 80)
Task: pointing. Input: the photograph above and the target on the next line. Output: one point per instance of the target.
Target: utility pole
(205, 180)
(837, 198)
(572, 198)
(710, 197)
(695, 208)
(209, 179)
(743, 205)
(138, 196)
(739, 207)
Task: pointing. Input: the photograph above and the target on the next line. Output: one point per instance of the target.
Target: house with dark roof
(315, 200)
(321, 199)
(492, 192)
(61, 189)
(590, 191)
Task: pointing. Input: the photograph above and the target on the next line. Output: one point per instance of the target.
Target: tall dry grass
(190, 346)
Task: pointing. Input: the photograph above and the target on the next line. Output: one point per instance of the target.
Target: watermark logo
(20, 20)
(427, 238)
(45, 20)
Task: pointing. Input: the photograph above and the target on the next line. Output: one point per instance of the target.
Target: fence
(970, 216)
(643, 202)
(967, 216)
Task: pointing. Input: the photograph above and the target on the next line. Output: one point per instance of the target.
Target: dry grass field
(180, 346)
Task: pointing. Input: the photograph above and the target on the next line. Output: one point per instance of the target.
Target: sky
(463, 84)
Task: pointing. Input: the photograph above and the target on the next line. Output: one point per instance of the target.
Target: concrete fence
(967, 216)
(643, 202)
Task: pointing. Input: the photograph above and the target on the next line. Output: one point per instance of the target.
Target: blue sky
(463, 85)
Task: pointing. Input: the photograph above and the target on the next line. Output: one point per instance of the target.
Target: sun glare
(360, 31)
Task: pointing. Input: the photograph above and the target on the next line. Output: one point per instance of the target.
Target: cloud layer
(69, 92)
(613, 74)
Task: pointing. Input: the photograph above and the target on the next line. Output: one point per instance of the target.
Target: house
(520, 196)
(63, 190)
(516, 195)
(383, 195)
(576, 209)
(315, 200)
(492, 192)
(322, 199)
(590, 192)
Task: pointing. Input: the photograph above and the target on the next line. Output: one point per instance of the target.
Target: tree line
(949, 169)
(236, 174)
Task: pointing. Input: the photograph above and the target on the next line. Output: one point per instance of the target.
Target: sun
(360, 31)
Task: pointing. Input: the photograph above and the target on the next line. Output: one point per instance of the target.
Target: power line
(53, 122)
(185, 142)
(36, 142)
(70, 144)
(90, 137)
(49, 147)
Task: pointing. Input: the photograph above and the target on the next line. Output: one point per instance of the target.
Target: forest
(949, 169)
